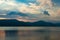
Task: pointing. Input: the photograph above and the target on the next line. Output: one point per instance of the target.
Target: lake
(30, 33)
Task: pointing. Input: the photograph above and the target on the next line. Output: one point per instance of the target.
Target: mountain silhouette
(13, 22)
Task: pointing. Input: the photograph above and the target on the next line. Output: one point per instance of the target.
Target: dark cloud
(17, 13)
(46, 13)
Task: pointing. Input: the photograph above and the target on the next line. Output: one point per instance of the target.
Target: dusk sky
(30, 10)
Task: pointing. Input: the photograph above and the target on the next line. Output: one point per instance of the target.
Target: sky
(30, 10)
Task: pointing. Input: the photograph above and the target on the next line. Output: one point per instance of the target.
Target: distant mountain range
(14, 22)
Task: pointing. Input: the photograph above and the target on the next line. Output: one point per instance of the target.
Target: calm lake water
(29, 33)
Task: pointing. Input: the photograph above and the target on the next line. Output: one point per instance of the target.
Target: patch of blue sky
(26, 1)
(57, 2)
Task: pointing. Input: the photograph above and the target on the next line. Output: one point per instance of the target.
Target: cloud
(58, 12)
(26, 19)
(21, 7)
(2, 18)
(12, 5)
(46, 13)
(30, 9)
(3, 12)
(7, 4)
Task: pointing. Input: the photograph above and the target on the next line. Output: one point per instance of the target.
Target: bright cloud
(44, 2)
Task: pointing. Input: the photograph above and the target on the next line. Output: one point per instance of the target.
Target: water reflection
(33, 35)
(11, 34)
(2, 35)
(29, 34)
